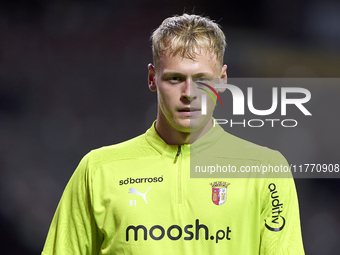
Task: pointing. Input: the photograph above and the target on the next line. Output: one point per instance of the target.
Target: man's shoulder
(136, 147)
(235, 147)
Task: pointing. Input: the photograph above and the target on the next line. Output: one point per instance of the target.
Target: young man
(137, 197)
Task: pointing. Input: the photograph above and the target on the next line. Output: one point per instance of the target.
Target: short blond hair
(185, 34)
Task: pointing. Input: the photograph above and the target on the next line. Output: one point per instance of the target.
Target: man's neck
(174, 137)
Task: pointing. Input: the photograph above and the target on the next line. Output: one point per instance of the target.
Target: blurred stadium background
(73, 77)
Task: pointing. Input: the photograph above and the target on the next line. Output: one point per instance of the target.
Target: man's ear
(223, 78)
(151, 78)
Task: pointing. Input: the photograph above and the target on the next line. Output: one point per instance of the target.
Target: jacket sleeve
(73, 229)
(280, 220)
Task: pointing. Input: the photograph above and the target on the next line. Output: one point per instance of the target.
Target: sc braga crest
(219, 192)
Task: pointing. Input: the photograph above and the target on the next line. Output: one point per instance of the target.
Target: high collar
(204, 142)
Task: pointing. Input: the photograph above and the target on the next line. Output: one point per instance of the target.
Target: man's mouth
(189, 111)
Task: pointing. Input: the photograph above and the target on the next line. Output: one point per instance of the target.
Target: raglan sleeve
(280, 219)
(73, 229)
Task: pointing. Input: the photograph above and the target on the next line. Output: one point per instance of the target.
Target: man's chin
(190, 125)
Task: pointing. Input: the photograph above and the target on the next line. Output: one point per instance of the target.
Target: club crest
(219, 192)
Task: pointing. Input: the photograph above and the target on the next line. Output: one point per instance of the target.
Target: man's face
(179, 99)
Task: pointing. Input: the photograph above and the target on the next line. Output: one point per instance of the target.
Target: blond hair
(186, 34)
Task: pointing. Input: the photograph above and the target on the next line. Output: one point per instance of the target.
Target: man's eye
(202, 80)
(174, 79)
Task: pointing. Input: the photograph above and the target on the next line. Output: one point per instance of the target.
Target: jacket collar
(203, 143)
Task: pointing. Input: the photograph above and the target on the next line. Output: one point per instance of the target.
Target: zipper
(177, 154)
(178, 177)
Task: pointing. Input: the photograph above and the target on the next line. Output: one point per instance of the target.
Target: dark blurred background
(73, 77)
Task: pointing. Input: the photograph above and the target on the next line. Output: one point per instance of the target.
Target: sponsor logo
(278, 222)
(140, 180)
(175, 232)
(219, 192)
(143, 195)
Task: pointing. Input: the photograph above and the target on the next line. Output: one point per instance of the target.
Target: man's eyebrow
(169, 74)
(200, 75)
(197, 75)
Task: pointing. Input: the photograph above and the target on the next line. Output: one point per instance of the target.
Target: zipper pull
(177, 154)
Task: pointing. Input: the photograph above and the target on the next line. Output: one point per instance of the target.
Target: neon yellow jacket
(137, 197)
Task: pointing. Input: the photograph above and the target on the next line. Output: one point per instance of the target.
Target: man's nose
(188, 90)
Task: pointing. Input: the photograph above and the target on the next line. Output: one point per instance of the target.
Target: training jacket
(137, 197)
